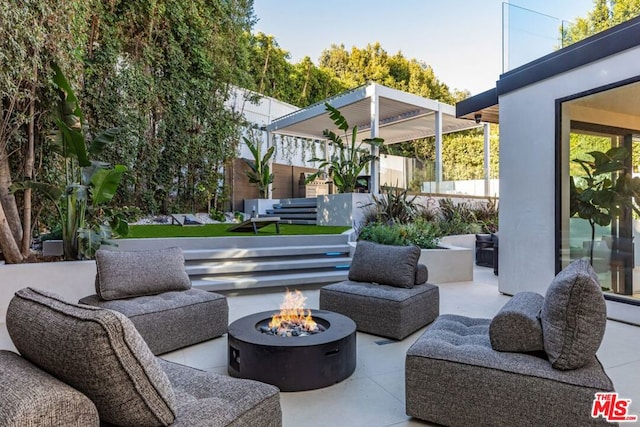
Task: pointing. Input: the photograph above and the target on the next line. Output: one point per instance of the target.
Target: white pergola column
(270, 186)
(375, 150)
(487, 159)
(438, 135)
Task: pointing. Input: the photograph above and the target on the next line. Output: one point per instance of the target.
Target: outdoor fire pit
(295, 357)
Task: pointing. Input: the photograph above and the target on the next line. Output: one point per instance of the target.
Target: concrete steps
(295, 211)
(229, 263)
(260, 265)
(239, 282)
(268, 261)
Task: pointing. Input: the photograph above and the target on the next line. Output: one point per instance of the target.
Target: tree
(299, 84)
(372, 63)
(34, 32)
(161, 70)
(173, 65)
(605, 14)
(259, 172)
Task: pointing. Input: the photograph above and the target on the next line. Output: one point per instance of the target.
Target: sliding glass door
(598, 160)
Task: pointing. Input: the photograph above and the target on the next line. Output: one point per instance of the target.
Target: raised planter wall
(452, 264)
(54, 247)
(461, 240)
(260, 206)
(342, 209)
(447, 265)
(71, 280)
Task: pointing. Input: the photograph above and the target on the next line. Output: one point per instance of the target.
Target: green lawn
(218, 230)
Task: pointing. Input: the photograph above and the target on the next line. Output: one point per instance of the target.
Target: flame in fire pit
(293, 317)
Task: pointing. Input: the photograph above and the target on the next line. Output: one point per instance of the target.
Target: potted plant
(599, 198)
(350, 158)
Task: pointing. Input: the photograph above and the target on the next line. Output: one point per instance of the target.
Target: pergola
(383, 112)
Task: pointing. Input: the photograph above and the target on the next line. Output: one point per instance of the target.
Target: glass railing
(527, 35)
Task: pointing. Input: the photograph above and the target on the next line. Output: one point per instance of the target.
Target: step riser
(282, 251)
(283, 211)
(253, 267)
(239, 283)
(292, 216)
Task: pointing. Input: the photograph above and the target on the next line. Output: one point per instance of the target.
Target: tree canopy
(339, 69)
(605, 14)
(373, 64)
(160, 70)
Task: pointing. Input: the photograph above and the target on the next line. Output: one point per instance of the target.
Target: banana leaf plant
(349, 158)
(259, 173)
(90, 185)
(600, 197)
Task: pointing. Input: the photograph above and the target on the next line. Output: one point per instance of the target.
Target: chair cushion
(96, 351)
(384, 264)
(383, 310)
(125, 274)
(574, 316)
(517, 327)
(210, 399)
(187, 317)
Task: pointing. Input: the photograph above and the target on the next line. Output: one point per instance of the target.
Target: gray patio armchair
(533, 364)
(88, 366)
(387, 293)
(153, 290)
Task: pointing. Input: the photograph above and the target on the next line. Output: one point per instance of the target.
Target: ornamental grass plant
(396, 218)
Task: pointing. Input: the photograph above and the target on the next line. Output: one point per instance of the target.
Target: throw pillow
(574, 316)
(126, 274)
(516, 327)
(384, 264)
(422, 274)
(96, 351)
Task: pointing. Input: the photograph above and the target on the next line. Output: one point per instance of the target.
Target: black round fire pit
(293, 363)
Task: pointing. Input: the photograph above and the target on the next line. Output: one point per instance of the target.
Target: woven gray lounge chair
(533, 364)
(387, 293)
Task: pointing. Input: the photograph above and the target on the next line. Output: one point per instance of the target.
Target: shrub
(420, 233)
(217, 215)
(423, 234)
(393, 206)
(452, 218)
(383, 234)
(395, 218)
(131, 213)
(487, 215)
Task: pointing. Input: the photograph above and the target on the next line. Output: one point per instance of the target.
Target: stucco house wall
(527, 168)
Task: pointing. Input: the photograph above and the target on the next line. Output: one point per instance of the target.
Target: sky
(460, 39)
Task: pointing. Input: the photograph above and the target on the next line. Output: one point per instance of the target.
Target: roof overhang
(401, 116)
(481, 107)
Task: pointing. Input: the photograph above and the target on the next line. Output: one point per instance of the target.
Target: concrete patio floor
(374, 394)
